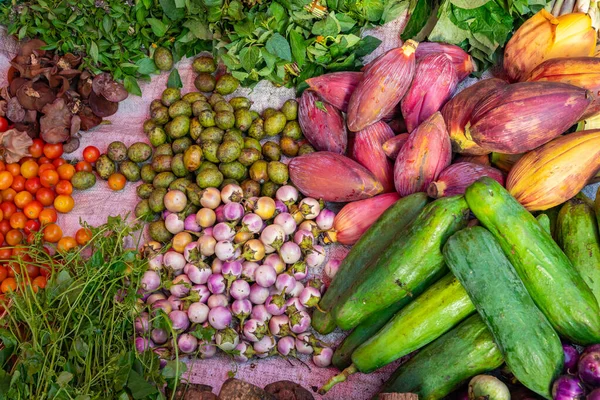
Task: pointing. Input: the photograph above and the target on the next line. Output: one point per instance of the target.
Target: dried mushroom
(105, 86)
(14, 145)
(55, 125)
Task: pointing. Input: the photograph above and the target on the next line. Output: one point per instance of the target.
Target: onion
(279, 325)
(285, 283)
(203, 292)
(240, 289)
(222, 231)
(300, 322)
(154, 297)
(180, 320)
(219, 317)
(248, 270)
(275, 261)
(175, 201)
(187, 343)
(260, 313)
(287, 194)
(197, 275)
(325, 219)
(227, 339)
(164, 305)
(150, 281)
(254, 250)
(589, 365)
(252, 223)
(322, 357)
(315, 257)
(275, 304)
(265, 208)
(216, 283)
(303, 345)
(297, 289)
(190, 224)
(264, 345)
(206, 217)
(273, 236)
(159, 336)
(571, 357)
(207, 350)
(290, 252)
(211, 198)
(225, 250)
(232, 193)
(198, 312)
(233, 212)
(286, 346)
(217, 266)
(173, 260)
(254, 330)
(143, 344)
(241, 309)
(206, 245)
(287, 222)
(181, 286)
(156, 262)
(258, 294)
(217, 300)
(309, 207)
(174, 224)
(566, 387)
(265, 275)
(141, 323)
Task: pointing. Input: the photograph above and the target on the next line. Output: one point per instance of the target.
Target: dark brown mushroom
(104, 85)
(89, 120)
(84, 85)
(33, 46)
(35, 95)
(14, 110)
(3, 106)
(102, 107)
(71, 145)
(59, 82)
(16, 84)
(55, 124)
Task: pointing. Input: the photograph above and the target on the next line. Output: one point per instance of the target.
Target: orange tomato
(52, 233)
(116, 181)
(29, 169)
(8, 208)
(83, 166)
(32, 185)
(8, 285)
(14, 269)
(22, 199)
(8, 194)
(91, 154)
(49, 178)
(39, 283)
(53, 151)
(58, 162)
(31, 226)
(64, 187)
(6, 179)
(45, 167)
(45, 196)
(33, 209)
(2, 166)
(14, 169)
(18, 184)
(18, 220)
(66, 171)
(3, 273)
(64, 203)
(13, 237)
(37, 148)
(83, 235)
(66, 243)
(48, 216)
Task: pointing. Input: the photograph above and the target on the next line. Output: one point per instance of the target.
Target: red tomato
(32, 271)
(83, 166)
(53, 151)
(18, 184)
(58, 162)
(39, 283)
(8, 208)
(3, 273)
(44, 160)
(31, 226)
(5, 253)
(64, 187)
(3, 124)
(91, 154)
(44, 195)
(4, 227)
(37, 148)
(32, 185)
(33, 209)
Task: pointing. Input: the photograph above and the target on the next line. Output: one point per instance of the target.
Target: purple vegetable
(207, 350)
(309, 207)
(264, 345)
(589, 365)
(141, 323)
(181, 286)
(217, 300)
(207, 231)
(207, 244)
(232, 192)
(571, 357)
(231, 269)
(222, 231)
(331, 268)
(303, 344)
(273, 236)
(198, 312)
(297, 289)
(187, 343)
(568, 387)
(246, 352)
(287, 222)
(143, 344)
(150, 281)
(203, 292)
(315, 257)
(220, 214)
(174, 261)
(287, 194)
(216, 283)
(275, 261)
(299, 270)
(280, 207)
(309, 226)
(293, 305)
(275, 304)
(305, 239)
(174, 224)
(252, 223)
(290, 252)
(165, 214)
(156, 262)
(248, 270)
(240, 289)
(260, 313)
(176, 303)
(159, 336)
(254, 330)
(180, 320)
(164, 305)
(190, 224)
(258, 294)
(225, 250)
(265, 275)
(310, 296)
(241, 309)
(197, 275)
(216, 266)
(233, 212)
(594, 395)
(219, 317)
(279, 325)
(325, 219)
(300, 322)
(322, 357)
(286, 346)
(254, 250)
(285, 283)
(154, 297)
(227, 339)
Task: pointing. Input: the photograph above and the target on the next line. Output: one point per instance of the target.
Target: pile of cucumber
(470, 298)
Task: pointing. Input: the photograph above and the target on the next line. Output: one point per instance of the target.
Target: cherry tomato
(3, 124)
(83, 166)
(4, 226)
(49, 178)
(29, 169)
(91, 154)
(64, 203)
(3, 273)
(6, 179)
(18, 184)
(58, 162)
(33, 209)
(45, 167)
(52, 233)
(8, 285)
(64, 187)
(5, 253)
(8, 208)
(32, 185)
(32, 271)
(14, 269)
(83, 235)
(18, 220)
(44, 160)
(22, 199)
(37, 148)
(53, 151)
(66, 171)
(48, 216)
(39, 283)
(14, 237)
(8, 194)
(1, 238)
(116, 181)
(45, 271)
(14, 169)
(31, 226)
(45, 196)
(66, 243)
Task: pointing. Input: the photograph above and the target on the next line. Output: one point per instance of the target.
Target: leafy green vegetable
(174, 80)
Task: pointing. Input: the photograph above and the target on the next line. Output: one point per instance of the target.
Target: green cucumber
(404, 264)
(388, 226)
(577, 235)
(555, 286)
(342, 357)
(530, 346)
(544, 222)
(448, 362)
(597, 206)
(322, 321)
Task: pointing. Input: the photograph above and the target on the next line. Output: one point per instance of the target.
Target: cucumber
(530, 346)
(322, 321)
(448, 362)
(404, 264)
(388, 226)
(555, 286)
(342, 357)
(544, 222)
(597, 207)
(436, 311)
(577, 235)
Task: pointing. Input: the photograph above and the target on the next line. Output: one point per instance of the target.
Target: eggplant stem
(339, 378)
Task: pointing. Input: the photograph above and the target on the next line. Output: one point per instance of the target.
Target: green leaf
(393, 9)
(170, 370)
(327, 27)
(230, 62)
(171, 10)
(157, 26)
(199, 29)
(366, 46)
(373, 9)
(277, 11)
(419, 16)
(107, 24)
(204, 334)
(94, 51)
(139, 388)
(146, 66)
(346, 22)
(278, 46)
(269, 58)
(235, 11)
(9, 343)
(249, 57)
(64, 378)
(298, 45)
(124, 365)
(468, 4)
(131, 85)
(22, 32)
(174, 80)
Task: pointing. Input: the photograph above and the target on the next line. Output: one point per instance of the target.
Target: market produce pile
(473, 253)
